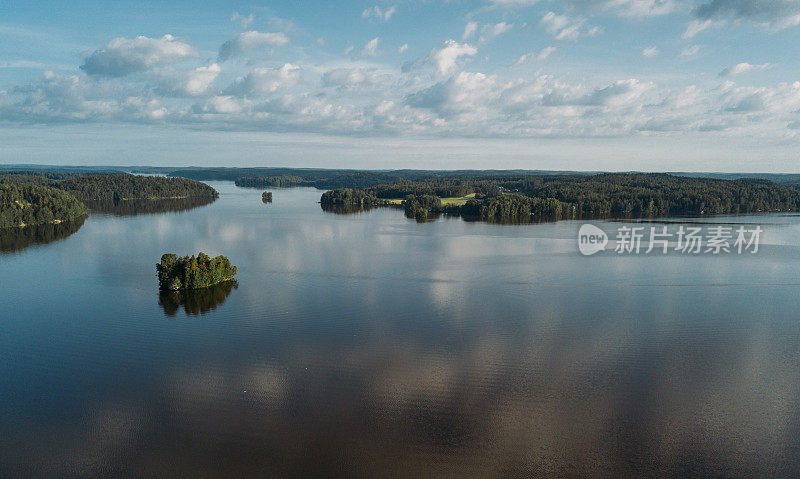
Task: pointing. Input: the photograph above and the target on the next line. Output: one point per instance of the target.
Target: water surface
(369, 345)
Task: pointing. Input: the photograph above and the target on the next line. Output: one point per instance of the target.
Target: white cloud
(537, 56)
(651, 51)
(244, 21)
(689, 51)
(402, 48)
(222, 104)
(463, 93)
(564, 27)
(773, 14)
(445, 58)
(627, 8)
(491, 31)
(262, 81)
(469, 31)
(378, 13)
(123, 56)
(742, 68)
(512, 3)
(371, 48)
(696, 26)
(251, 41)
(354, 79)
(189, 83)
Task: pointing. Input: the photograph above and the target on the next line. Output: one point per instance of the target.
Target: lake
(370, 345)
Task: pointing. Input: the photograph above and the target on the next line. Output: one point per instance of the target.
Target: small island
(266, 197)
(190, 272)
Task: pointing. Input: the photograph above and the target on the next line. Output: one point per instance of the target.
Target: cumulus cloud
(464, 92)
(189, 83)
(123, 56)
(774, 14)
(251, 41)
(651, 51)
(779, 101)
(222, 104)
(432, 95)
(378, 13)
(742, 68)
(565, 27)
(262, 81)
(80, 98)
(445, 58)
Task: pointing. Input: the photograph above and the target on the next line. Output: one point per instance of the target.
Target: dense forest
(555, 197)
(360, 179)
(351, 197)
(190, 272)
(31, 204)
(114, 186)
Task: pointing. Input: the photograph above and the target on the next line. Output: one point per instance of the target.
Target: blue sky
(649, 85)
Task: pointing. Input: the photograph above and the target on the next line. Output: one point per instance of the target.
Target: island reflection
(344, 209)
(196, 301)
(138, 207)
(17, 239)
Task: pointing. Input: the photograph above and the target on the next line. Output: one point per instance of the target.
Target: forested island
(190, 272)
(115, 186)
(351, 197)
(266, 197)
(40, 197)
(556, 197)
(29, 204)
(509, 196)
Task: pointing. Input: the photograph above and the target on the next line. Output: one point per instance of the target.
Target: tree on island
(190, 272)
(266, 197)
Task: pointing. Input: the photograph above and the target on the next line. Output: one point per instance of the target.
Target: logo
(591, 239)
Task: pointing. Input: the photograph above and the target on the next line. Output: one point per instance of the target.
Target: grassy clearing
(445, 201)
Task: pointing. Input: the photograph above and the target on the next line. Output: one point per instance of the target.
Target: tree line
(115, 186)
(555, 197)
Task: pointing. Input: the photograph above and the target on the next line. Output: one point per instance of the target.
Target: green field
(445, 201)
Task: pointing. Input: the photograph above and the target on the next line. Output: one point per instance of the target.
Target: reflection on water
(373, 346)
(16, 239)
(344, 209)
(196, 301)
(137, 207)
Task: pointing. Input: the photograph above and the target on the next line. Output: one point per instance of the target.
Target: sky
(617, 85)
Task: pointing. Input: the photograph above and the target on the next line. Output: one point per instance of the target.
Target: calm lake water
(370, 345)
